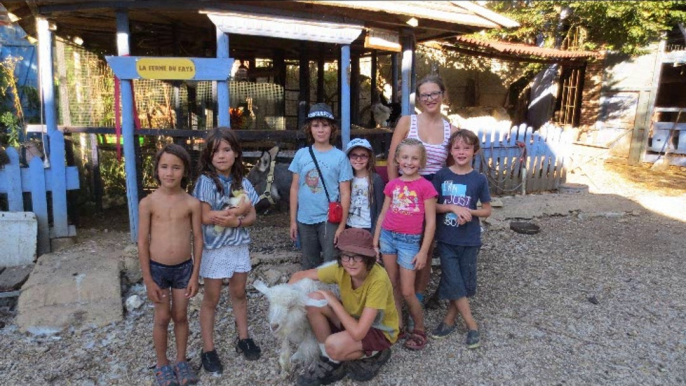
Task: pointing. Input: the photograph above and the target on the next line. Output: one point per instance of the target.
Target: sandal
(416, 341)
(184, 374)
(164, 376)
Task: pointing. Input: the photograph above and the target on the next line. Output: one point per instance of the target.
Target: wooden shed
(283, 31)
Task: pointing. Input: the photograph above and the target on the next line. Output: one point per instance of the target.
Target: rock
(496, 203)
(272, 277)
(12, 278)
(134, 302)
(131, 250)
(593, 300)
(61, 243)
(131, 268)
(77, 289)
(196, 302)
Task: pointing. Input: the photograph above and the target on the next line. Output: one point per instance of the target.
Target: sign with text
(382, 39)
(145, 67)
(165, 68)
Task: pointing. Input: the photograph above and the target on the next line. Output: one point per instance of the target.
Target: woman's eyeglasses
(359, 156)
(356, 258)
(432, 96)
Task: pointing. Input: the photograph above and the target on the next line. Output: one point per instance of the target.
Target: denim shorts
(458, 271)
(175, 276)
(404, 246)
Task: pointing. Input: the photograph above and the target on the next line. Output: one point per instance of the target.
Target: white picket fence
(517, 159)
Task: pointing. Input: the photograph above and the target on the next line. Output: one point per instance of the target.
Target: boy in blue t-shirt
(458, 232)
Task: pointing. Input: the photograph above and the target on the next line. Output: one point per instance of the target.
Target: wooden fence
(39, 180)
(520, 159)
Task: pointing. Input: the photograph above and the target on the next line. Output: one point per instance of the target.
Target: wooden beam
(127, 128)
(223, 86)
(345, 95)
(355, 89)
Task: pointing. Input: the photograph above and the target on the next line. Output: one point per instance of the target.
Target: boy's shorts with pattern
(174, 276)
(458, 271)
(403, 245)
(223, 262)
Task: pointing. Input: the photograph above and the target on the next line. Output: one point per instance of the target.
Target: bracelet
(240, 222)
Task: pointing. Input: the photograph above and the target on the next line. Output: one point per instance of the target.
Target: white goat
(288, 320)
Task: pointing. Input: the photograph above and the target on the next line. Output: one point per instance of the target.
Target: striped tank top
(435, 154)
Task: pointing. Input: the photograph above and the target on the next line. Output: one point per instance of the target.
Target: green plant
(12, 128)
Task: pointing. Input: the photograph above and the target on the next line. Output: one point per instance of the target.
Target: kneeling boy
(358, 329)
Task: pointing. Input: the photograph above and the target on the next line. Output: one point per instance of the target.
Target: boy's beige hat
(357, 241)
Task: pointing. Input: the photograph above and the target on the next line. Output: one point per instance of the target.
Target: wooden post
(413, 73)
(355, 90)
(406, 75)
(320, 80)
(374, 96)
(223, 86)
(345, 95)
(127, 128)
(96, 182)
(394, 77)
(645, 109)
(63, 89)
(304, 76)
(56, 153)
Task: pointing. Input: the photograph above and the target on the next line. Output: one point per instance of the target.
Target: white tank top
(435, 154)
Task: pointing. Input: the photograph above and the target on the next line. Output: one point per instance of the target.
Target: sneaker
(164, 375)
(473, 340)
(365, 369)
(249, 349)
(184, 374)
(442, 330)
(322, 372)
(211, 362)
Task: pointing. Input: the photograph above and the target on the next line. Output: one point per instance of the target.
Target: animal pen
(269, 42)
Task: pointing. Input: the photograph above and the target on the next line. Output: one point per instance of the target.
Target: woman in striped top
(433, 131)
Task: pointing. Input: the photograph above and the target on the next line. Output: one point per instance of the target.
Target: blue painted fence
(509, 169)
(38, 180)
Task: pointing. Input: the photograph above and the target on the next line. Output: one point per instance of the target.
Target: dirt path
(589, 300)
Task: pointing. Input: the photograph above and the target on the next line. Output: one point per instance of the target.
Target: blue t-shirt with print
(463, 190)
(206, 191)
(313, 207)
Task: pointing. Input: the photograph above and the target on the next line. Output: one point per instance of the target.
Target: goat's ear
(260, 286)
(315, 302)
(274, 151)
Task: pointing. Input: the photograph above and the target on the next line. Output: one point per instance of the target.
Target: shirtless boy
(168, 217)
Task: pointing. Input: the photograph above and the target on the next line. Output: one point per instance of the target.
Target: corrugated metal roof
(525, 49)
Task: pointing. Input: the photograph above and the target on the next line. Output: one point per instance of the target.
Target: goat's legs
(285, 357)
(308, 350)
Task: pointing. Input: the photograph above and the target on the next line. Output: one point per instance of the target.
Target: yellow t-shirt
(376, 292)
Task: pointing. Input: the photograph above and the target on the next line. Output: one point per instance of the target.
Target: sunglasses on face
(432, 96)
(356, 258)
(359, 156)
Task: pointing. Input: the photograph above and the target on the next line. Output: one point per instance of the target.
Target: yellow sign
(165, 68)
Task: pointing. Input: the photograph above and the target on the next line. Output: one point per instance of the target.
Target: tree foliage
(625, 26)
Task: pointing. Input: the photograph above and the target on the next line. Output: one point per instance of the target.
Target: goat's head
(287, 302)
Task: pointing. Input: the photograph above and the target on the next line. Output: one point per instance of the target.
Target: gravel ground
(588, 300)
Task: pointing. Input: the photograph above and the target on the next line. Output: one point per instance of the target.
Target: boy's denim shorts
(404, 246)
(458, 271)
